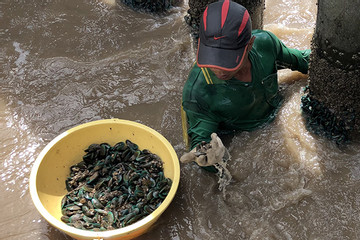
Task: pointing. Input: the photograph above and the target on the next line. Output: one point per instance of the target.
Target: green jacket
(212, 104)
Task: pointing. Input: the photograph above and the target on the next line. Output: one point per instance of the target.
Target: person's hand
(206, 154)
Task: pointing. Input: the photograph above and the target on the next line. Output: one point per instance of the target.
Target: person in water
(233, 84)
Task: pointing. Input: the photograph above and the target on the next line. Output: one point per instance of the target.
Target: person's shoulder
(264, 40)
(195, 70)
(263, 36)
(194, 79)
(194, 74)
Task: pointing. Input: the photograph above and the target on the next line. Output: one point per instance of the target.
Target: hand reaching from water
(206, 154)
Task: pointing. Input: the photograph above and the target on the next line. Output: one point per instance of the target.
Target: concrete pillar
(197, 7)
(332, 103)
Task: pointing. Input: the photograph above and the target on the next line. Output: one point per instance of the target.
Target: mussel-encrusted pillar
(155, 6)
(197, 7)
(332, 103)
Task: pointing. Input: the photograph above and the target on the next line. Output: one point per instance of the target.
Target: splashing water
(223, 173)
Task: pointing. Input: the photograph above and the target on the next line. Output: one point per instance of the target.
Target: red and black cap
(225, 30)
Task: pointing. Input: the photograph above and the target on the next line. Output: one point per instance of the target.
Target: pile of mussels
(114, 186)
(155, 6)
(324, 122)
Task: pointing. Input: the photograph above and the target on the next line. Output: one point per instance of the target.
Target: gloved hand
(206, 154)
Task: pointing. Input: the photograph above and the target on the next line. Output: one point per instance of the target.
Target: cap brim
(226, 59)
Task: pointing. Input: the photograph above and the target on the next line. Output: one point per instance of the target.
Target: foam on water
(223, 173)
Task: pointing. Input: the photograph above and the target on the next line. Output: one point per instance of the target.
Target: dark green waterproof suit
(212, 105)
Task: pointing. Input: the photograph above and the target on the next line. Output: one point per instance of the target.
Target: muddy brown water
(64, 63)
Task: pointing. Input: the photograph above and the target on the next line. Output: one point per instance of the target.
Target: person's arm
(200, 128)
(289, 57)
(207, 147)
(202, 124)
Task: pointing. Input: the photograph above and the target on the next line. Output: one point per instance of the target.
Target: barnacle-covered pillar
(332, 103)
(155, 6)
(197, 7)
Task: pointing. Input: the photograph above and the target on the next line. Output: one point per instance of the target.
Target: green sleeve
(201, 121)
(290, 58)
(200, 128)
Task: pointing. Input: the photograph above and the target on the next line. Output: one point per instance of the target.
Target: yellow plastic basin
(52, 167)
